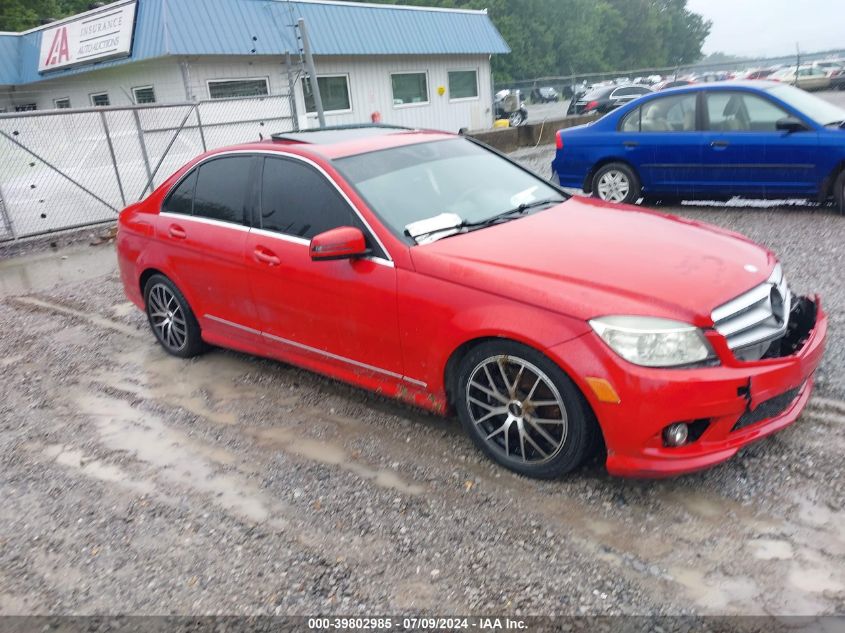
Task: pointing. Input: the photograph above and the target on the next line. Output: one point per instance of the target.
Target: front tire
(839, 193)
(617, 183)
(523, 411)
(171, 318)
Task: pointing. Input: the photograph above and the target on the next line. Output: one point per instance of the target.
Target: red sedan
(426, 267)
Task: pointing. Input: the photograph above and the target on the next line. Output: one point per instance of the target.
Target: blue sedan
(755, 139)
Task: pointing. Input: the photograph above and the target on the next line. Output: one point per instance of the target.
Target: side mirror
(344, 242)
(790, 124)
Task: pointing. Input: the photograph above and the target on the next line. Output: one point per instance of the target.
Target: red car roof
(343, 143)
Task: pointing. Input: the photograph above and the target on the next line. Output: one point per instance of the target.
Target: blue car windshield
(819, 110)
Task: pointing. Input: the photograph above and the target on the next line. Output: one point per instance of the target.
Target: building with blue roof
(415, 66)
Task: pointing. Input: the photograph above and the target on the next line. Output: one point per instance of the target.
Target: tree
(564, 37)
(20, 15)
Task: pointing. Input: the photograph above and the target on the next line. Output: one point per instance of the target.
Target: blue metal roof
(264, 27)
(9, 61)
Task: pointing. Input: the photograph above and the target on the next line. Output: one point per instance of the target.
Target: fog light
(676, 434)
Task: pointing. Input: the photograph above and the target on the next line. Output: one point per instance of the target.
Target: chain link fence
(64, 169)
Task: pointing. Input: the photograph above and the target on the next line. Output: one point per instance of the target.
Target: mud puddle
(40, 271)
(174, 458)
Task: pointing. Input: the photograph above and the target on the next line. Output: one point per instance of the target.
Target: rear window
(595, 95)
(221, 189)
(181, 199)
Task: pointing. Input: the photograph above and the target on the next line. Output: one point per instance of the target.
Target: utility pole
(312, 71)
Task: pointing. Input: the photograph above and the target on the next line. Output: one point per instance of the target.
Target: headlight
(653, 342)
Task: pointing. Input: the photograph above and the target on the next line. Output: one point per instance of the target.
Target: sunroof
(338, 134)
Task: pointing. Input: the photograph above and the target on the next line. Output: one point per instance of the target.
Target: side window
(221, 189)
(738, 112)
(181, 199)
(631, 122)
(297, 200)
(669, 114)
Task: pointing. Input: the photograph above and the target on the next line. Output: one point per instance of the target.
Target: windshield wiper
(448, 224)
(510, 213)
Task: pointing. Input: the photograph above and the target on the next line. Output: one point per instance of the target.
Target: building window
(463, 84)
(26, 107)
(62, 104)
(100, 99)
(334, 91)
(233, 88)
(409, 88)
(144, 94)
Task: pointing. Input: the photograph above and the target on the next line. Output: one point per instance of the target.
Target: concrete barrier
(512, 138)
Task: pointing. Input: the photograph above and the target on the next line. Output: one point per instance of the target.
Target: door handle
(177, 232)
(266, 256)
(719, 144)
(631, 144)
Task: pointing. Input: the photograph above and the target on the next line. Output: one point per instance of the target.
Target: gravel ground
(134, 482)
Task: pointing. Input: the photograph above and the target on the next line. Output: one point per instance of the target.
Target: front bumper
(723, 398)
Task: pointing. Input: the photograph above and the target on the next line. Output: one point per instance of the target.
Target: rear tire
(171, 319)
(523, 411)
(617, 183)
(839, 193)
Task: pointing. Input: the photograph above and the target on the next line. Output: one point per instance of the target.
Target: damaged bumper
(726, 407)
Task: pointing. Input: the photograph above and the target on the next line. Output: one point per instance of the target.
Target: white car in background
(807, 77)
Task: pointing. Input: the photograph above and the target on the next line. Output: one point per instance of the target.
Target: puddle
(718, 593)
(75, 459)
(324, 452)
(94, 319)
(40, 271)
(770, 549)
(812, 514)
(203, 387)
(177, 458)
(814, 580)
(124, 309)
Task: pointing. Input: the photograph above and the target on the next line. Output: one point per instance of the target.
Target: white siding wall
(372, 91)
(369, 83)
(203, 69)
(370, 87)
(164, 74)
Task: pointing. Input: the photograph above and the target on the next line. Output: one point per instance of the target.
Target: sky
(761, 28)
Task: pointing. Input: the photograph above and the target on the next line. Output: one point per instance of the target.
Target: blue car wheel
(616, 182)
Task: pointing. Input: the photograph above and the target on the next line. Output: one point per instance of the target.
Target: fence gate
(63, 169)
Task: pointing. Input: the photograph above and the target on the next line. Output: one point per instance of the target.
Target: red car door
(326, 313)
(207, 241)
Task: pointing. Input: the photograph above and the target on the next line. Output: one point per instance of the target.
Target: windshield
(405, 185)
(819, 110)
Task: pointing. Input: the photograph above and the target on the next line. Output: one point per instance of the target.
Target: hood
(585, 258)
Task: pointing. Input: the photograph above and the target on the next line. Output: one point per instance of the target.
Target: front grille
(769, 409)
(756, 318)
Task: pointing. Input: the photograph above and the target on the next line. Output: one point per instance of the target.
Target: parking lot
(539, 112)
(136, 482)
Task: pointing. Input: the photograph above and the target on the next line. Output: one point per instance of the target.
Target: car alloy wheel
(167, 318)
(171, 318)
(613, 186)
(518, 409)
